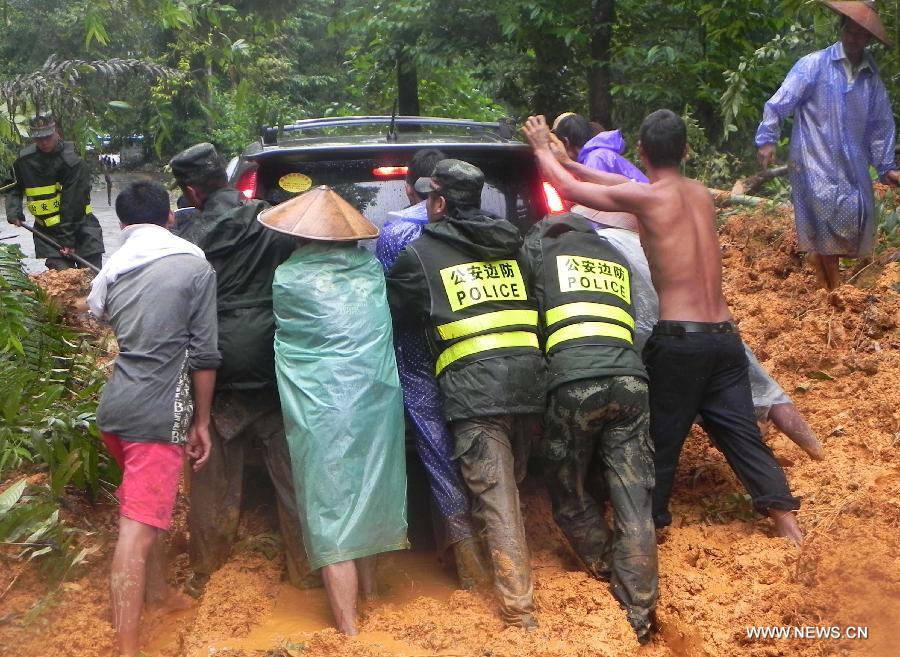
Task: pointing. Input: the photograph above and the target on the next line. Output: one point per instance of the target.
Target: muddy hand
(766, 155)
(537, 133)
(559, 150)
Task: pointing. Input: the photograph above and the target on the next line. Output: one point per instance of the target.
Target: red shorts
(150, 476)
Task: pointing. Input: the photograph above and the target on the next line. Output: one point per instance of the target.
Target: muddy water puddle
(402, 578)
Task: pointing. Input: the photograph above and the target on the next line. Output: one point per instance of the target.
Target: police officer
(465, 279)
(57, 185)
(246, 412)
(597, 421)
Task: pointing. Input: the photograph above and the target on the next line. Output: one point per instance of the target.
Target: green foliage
(888, 213)
(49, 386)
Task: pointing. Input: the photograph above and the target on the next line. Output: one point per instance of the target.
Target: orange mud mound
(68, 288)
(721, 570)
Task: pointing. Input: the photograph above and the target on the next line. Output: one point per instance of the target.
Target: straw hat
(863, 14)
(319, 214)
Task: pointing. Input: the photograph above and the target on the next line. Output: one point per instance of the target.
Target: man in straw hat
(246, 413)
(843, 124)
(340, 394)
(465, 279)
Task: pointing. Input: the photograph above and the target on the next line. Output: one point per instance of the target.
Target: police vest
(44, 195)
(479, 308)
(587, 293)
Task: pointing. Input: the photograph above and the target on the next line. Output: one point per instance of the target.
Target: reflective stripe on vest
(41, 191)
(587, 330)
(87, 208)
(487, 321)
(585, 308)
(485, 343)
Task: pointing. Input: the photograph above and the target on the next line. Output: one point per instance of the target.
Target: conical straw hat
(319, 214)
(863, 14)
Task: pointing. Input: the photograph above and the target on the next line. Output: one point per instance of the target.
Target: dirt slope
(721, 571)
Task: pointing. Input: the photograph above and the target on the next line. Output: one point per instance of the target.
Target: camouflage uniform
(597, 448)
(596, 445)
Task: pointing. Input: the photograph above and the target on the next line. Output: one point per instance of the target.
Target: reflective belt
(587, 330)
(582, 309)
(484, 343)
(486, 321)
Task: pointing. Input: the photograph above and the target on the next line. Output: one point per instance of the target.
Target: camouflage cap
(43, 125)
(196, 162)
(455, 180)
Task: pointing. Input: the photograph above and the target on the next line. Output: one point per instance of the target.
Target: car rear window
(508, 191)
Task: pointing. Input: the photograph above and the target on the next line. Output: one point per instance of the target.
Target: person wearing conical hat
(340, 395)
(843, 124)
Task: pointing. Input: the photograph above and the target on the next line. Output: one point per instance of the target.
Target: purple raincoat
(840, 129)
(604, 153)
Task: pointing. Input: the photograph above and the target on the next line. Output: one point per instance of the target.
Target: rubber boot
(471, 568)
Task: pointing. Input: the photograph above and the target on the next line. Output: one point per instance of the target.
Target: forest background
(184, 71)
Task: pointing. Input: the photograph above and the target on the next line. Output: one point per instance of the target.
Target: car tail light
(390, 172)
(554, 202)
(246, 184)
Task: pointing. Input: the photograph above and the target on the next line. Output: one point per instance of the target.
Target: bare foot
(786, 525)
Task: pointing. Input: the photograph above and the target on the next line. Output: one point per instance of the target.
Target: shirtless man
(695, 358)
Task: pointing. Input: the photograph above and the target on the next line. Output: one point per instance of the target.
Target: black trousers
(706, 374)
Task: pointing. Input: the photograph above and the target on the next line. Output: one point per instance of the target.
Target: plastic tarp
(341, 399)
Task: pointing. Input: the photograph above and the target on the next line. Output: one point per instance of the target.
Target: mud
(722, 571)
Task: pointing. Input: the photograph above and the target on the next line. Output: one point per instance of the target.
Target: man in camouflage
(596, 444)
(246, 413)
(57, 185)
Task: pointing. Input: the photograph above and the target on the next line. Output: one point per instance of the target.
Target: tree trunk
(407, 85)
(600, 100)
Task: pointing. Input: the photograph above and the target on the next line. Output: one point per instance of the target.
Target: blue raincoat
(421, 395)
(340, 396)
(841, 127)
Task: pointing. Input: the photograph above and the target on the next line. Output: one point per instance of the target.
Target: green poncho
(341, 399)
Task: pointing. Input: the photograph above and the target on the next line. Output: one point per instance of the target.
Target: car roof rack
(504, 128)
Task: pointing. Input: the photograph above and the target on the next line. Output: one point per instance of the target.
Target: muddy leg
(215, 509)
(786, 525)
(278, 463)
(128, 581)
(368, 584)
(792, 424)
(342, 585)
(832, 270)
(486, 462)
(157, 590)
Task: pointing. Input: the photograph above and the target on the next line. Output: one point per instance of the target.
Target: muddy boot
(644, 626)
(471, 568)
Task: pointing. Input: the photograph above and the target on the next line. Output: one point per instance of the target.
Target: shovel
(56, 245)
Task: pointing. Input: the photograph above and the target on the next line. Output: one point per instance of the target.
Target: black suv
(364, 159)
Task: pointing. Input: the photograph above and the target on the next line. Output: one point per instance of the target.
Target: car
(365, 158)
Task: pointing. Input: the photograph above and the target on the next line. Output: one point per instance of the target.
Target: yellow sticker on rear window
(295, 183)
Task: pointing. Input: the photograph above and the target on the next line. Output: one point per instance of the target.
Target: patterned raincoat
(842, 125)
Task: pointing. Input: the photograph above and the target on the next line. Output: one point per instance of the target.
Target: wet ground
(722, 571)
